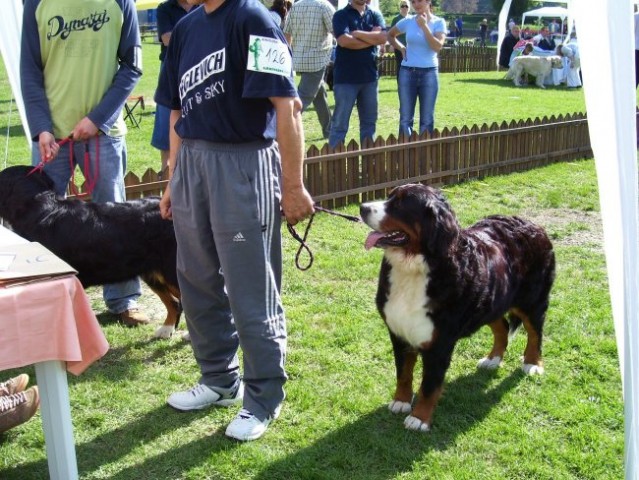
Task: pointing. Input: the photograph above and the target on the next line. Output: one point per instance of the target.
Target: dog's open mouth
(383, 240)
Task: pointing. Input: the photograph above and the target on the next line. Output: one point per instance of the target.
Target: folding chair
(130, 109)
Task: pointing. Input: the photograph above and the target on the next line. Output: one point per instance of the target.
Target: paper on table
(32, 263)
(6, 259)
(7, 237)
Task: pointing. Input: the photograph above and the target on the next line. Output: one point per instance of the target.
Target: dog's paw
(399, 407)
(164, 332)
(532, 369)
(186, 336)
(489, 363)
(414, 423)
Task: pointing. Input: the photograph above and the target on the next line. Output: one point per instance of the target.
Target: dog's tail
(514, 322)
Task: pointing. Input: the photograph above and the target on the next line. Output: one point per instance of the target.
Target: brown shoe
(133, 317)
(14, 385)
(18, 408)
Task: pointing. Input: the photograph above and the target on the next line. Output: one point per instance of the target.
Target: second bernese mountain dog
(104, 242)
(440, 282)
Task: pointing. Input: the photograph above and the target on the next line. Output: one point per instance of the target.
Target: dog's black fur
(501, 267)
(105, 243)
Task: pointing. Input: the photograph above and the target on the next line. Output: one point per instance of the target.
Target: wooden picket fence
(453, 59)
(350, 174)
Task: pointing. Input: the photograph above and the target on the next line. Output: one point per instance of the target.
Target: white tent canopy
(548, 12)
(551, 12)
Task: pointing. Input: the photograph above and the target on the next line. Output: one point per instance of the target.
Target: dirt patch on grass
(570, 227)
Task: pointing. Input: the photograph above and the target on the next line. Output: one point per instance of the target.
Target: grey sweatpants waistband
(227, 147)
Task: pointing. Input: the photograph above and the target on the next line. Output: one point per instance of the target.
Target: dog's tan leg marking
(168, 298)
(500, 343)
(421, 416)
(500, 340)
(403, 398)
(404, 389)
(532, 354)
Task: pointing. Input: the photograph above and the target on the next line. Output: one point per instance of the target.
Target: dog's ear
(441, 228)
(18, 187)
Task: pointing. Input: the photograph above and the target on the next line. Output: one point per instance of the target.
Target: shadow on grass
(377, 446)
(120, 361)
(505, 83)
(114, 445)
(14, 130)
(374, 447)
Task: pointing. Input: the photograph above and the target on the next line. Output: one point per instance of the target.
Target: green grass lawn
(567, 424)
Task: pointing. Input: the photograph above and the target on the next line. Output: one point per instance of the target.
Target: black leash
(302, 240)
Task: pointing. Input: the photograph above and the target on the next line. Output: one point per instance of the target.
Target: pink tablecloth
(49, 320)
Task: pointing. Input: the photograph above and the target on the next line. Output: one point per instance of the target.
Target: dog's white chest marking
(406, 307)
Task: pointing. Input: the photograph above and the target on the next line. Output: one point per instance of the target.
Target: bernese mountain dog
(439, 282)
(104, 242)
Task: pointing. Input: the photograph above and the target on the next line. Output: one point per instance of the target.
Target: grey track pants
(225, 200)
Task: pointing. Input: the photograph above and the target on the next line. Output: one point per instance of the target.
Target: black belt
(419, 69)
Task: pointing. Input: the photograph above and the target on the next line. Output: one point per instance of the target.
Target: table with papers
(49, 323)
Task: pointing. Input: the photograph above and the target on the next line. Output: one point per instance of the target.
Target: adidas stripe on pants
(225, 200)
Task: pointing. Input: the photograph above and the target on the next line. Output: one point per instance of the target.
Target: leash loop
(302, 240)
(303, 245)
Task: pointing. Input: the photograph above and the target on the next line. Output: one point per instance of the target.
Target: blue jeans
(160, 135)
(414, 83)
(346, 95)
(109, 187)
(311, 89)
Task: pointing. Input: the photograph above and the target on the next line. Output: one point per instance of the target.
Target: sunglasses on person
(403, 6)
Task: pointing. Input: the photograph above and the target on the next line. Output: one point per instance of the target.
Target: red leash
(91, 180)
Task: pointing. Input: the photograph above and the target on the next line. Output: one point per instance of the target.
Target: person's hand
(84, 130)
(297, 205)
(403, 52)
(422, 19)
(48, 146)
(165, 203)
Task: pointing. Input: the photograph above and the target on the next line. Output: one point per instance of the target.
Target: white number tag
(269, 55)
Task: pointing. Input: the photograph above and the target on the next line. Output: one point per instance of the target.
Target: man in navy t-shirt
(228, 81)
(358, 30)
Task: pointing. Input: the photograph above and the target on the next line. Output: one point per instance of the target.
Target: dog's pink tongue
(372, 239)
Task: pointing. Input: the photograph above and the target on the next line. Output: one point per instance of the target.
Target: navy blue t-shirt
(209, 73)
(169, 14)
(355, 66)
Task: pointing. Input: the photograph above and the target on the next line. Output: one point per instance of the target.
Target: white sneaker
(246, 426)
(201, 396)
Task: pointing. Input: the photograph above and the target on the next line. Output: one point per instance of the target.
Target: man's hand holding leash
(84, 130)
(297, 204)
(49, 148)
